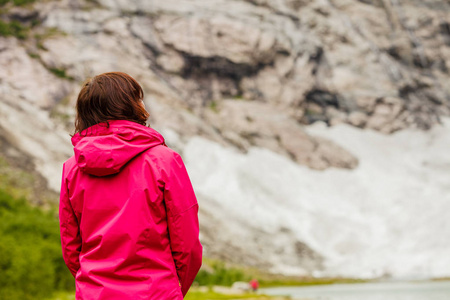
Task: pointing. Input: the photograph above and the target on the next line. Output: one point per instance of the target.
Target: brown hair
(109, 96)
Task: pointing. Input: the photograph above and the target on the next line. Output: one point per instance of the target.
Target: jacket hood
(103, 150)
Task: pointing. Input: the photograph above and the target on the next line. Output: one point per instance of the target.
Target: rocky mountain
(242, 77)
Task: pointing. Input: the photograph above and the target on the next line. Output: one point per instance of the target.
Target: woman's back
(129, 226)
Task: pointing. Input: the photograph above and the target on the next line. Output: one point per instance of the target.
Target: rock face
(241, 73)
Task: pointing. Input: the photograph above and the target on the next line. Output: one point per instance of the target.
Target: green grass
(31, 265)
(62, 296)
(199, 295)
(13, 28)
(306, 281)
(23, 2)
(217, 272)
(61, 73)
(34, 55)
(17, 2)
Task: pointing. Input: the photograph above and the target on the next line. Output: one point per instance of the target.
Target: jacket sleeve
(69, 230)
(182, 219)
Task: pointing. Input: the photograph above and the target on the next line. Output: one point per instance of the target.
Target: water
(368, 291)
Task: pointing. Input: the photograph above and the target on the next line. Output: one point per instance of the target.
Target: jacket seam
(185, 210)
(68, 206)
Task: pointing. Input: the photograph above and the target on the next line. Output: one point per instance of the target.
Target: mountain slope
(237, 84)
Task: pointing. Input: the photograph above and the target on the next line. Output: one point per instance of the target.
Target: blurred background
(315, 132)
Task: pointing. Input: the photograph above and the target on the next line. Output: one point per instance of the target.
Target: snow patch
(386, 217)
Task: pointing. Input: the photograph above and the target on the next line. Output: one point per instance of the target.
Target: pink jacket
(128, 216)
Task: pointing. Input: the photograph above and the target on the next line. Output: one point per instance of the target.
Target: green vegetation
(23, 2)
(17, 2)
(61, 295)
(304, 281)
(31, 265)
(215, 272)
(34, 55)
(194, 294)
(61, 73)
(13, 28)
(218, 274)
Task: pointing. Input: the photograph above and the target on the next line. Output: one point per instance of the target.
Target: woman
(128, 213)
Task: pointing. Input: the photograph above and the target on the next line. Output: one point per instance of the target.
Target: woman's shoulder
(161, 153)
(69, 166)
(165, 159)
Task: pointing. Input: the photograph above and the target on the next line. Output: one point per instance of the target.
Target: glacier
(386, 218)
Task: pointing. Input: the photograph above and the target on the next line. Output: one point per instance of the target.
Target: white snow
(388, 216)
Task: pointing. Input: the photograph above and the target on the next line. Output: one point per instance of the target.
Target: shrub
(220, 275)
(17, 2)
(23, 2)
(61, 73)
(31, 265)
(13, 28)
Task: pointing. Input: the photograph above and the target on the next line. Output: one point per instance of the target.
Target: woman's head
(110, 96)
